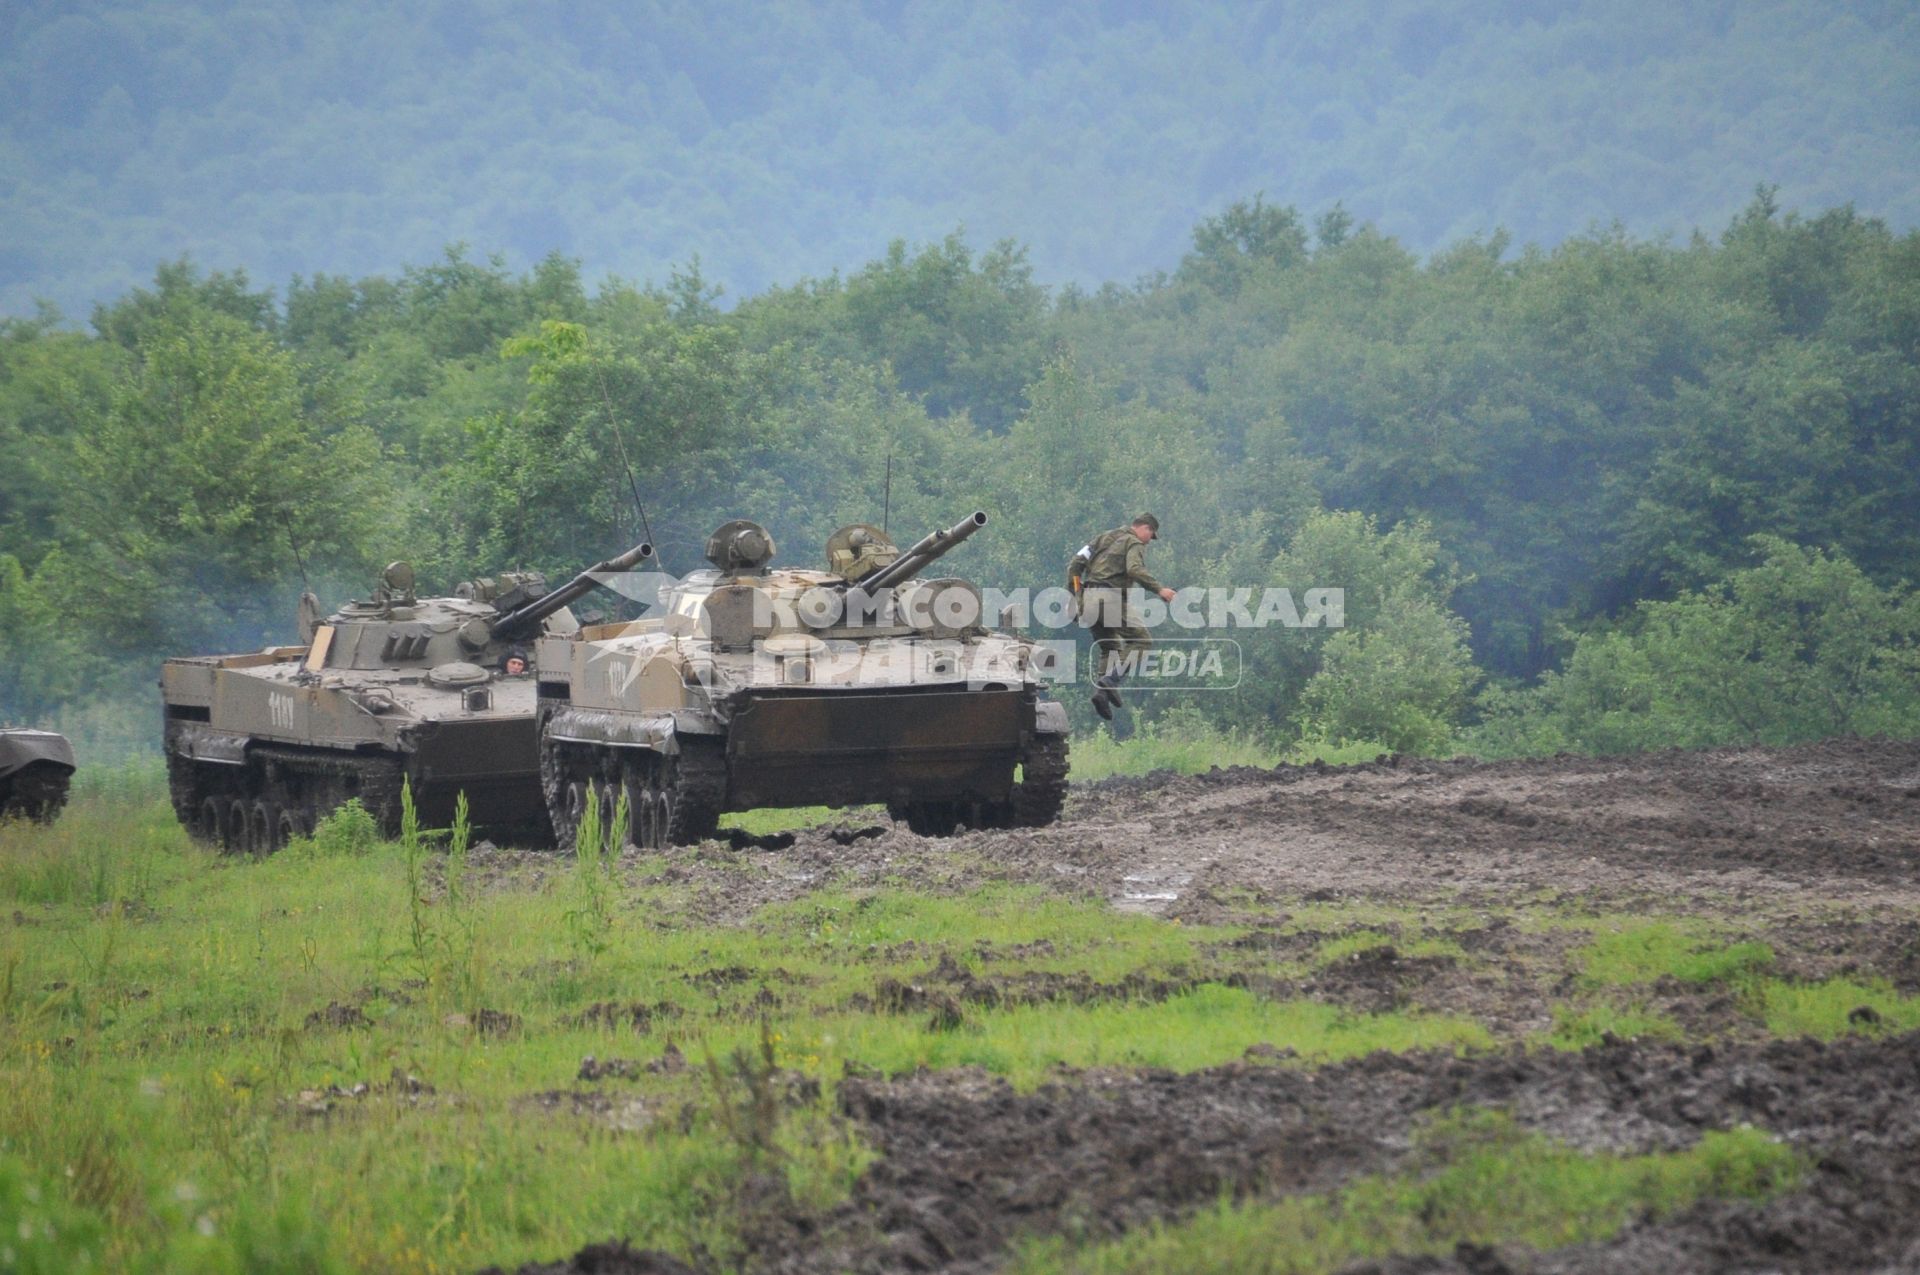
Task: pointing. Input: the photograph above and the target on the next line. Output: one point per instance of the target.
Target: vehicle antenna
(613, 424)
(886, 504)
(294, 542)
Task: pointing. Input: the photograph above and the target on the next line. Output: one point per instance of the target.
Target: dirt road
(1725, 830)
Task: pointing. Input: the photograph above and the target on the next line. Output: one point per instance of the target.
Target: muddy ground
(1814, 851)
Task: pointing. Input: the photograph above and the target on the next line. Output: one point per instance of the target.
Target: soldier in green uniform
(1101, 573)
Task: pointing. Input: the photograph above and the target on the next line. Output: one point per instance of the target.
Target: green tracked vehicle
(435, 693)
(755, 687)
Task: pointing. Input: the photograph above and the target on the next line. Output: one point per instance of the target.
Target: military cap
(1150, 522)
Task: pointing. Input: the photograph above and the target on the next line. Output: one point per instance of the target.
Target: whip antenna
(620, 444)
(886, 504)
(293, 542)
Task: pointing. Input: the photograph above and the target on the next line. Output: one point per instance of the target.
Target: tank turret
(526, 618)
(923, 554)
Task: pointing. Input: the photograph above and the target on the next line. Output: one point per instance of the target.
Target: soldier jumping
(1100, 574)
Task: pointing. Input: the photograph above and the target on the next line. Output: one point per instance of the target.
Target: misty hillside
(783, 140)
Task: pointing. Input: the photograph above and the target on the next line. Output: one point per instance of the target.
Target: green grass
(1368, 940)
(1481, 1181)
(1185, 742)
(764, 823)
(1584, 1027)
(1204, 1027)
(154, 1038)
(116, 841)
(1829, 1009)
(1098, 755)
(1645, 951)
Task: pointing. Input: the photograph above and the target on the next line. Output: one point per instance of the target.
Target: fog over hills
(777, 141)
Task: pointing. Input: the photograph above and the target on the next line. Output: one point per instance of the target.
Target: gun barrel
(523, 620)
(923, 553)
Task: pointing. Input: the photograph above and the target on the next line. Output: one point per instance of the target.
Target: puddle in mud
(1150, 891)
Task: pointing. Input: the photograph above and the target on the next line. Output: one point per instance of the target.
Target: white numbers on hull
(280, 711)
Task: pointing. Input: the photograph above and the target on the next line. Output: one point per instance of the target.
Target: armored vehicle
(35, 767)
(757, 687)
(435, 692)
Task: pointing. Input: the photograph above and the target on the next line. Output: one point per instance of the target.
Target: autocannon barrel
(923, 554)
(523, 620)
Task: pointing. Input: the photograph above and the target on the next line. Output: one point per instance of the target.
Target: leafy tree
(179, 290)
(549, 485)
(52, 382)
(963, 336)
(1229, 246)
(1401, 681)
(46, 660)
(1540, 443)
(1397, 670)
(1800, 646)
(192, 493)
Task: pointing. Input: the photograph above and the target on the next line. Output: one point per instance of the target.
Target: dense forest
(782, 140)
(1620, 493)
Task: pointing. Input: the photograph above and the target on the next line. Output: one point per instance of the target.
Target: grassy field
(363, 1055)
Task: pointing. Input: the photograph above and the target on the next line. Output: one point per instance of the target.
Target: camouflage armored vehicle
(757, 687)
(432, 691)
(35, 767)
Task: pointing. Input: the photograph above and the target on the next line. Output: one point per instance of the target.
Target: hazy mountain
(781, 140)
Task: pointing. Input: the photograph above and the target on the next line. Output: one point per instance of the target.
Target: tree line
(1558, 485)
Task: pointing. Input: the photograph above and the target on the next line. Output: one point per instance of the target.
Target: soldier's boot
(1111, 685)
(1101, 704)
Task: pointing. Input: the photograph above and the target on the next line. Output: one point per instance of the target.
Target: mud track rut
(1724, 830)
(1815, 849)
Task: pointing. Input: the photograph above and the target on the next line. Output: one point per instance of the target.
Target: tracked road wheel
(1042, 787)
(693, 790)
(239, 826)
(672, 800)
(211, 825)
(641, 817)
(648, 799)
(577, 798)
(608, 795)
(263, 824)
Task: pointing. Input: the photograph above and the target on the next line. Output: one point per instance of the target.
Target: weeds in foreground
(443, 937)
(459, 937)
(792, 1150)
(95, 856)
(590, 917)
(413, 854)
(348, 831)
